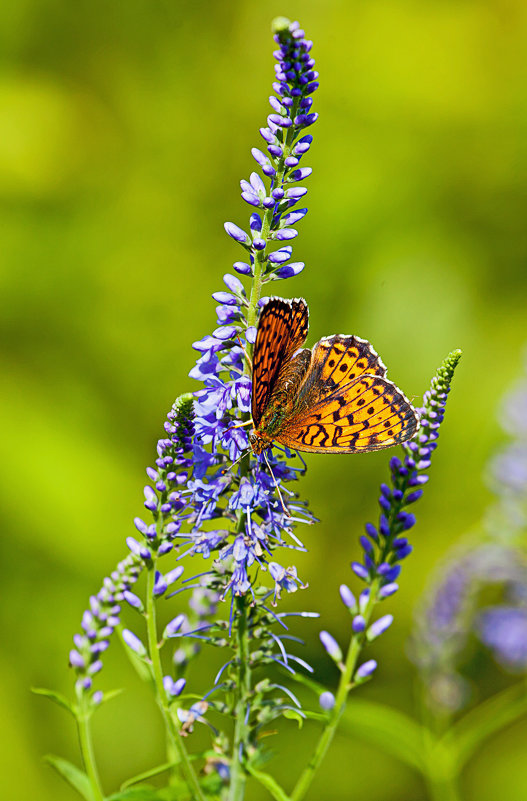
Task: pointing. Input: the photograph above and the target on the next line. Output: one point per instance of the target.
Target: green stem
(175, 738)
(241, 726)
(86, 745)
(441, 775)
(341, 697)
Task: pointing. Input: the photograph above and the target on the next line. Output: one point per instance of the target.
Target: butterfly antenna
(238, 459)
(276, 485)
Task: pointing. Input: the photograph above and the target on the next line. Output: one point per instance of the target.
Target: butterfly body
(332, 399)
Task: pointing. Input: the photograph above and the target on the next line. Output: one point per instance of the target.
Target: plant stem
(241, 727)
(441, 780)
(86, 746)
(341, 696)
(174, 734)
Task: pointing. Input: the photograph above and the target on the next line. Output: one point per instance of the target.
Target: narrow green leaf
(109, 694)
(291, 714)
(147, 774)
(270, 784)
(322, 717)
(391, 730)
(58, 698)
(144, 793)
(468, 734)
(75, 777)
(313, 685)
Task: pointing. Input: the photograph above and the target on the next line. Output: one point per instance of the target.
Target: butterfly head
(258, 443)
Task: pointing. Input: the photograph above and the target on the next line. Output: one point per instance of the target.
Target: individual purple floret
(327, 700)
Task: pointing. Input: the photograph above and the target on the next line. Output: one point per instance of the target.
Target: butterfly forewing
(282, 329)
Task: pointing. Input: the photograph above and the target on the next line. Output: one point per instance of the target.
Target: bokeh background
(125, 128)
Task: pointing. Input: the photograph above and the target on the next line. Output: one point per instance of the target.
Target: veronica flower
(385, 544)
(266, 512)
(100, 620)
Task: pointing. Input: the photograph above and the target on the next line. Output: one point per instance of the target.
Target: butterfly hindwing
(366, 414)
(282, 329)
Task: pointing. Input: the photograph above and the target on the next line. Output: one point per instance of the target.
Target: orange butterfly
(331, 399)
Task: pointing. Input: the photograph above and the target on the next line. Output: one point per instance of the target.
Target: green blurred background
(125, 128)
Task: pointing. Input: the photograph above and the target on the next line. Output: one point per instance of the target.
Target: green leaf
(313, 685)
(291, 714)
(75, 777)
(387, 728)
(148, 774)
(212, 784)
(322, 717)
(144, 793)
(467, 735)
(107, 696)
(58, 698)
(270, 784)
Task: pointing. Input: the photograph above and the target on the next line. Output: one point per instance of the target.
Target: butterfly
(334, 398)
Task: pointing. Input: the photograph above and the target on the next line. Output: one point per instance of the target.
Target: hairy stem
(174, 735)
(86, 746)
(241, 727)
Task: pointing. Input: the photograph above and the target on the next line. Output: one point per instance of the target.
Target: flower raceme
(385, 544)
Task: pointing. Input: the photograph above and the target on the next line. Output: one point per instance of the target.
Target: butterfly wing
(335, 362)
(282, 329)
(346, 404)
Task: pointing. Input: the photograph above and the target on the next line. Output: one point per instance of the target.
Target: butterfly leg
(302, 460)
